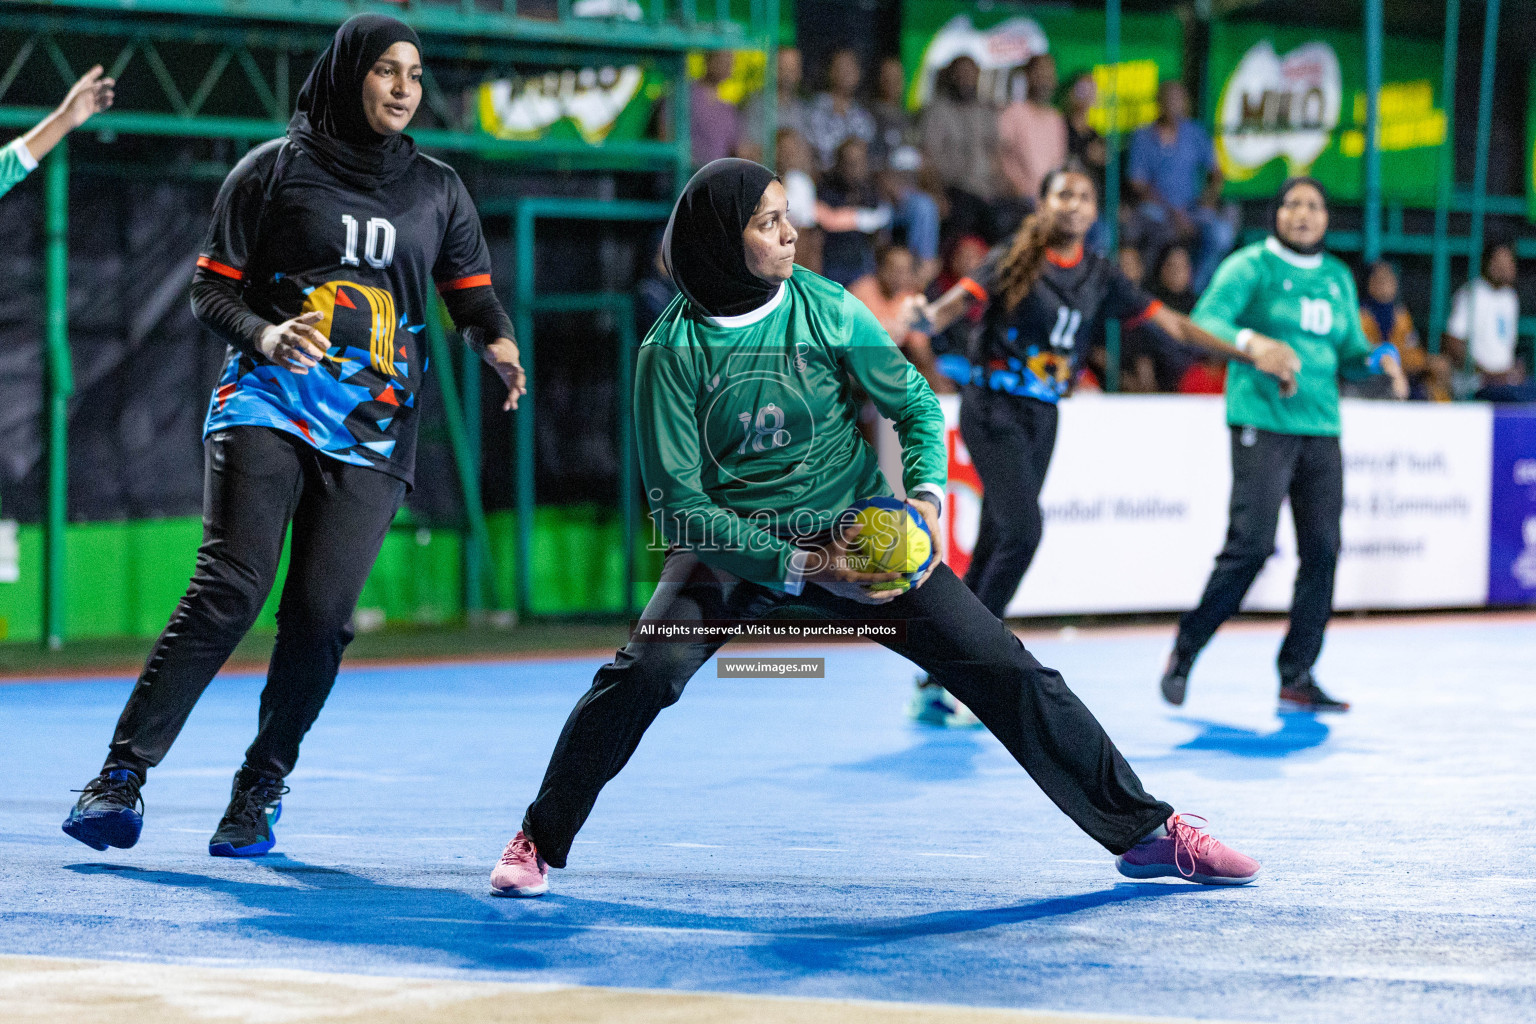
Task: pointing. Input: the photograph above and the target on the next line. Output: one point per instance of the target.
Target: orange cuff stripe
(1144, 315)
(473, 281)
(976, 290)
(220, 268)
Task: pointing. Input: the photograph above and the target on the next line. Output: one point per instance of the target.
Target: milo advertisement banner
(1001, 39)
(587, 104)
(1287, 101)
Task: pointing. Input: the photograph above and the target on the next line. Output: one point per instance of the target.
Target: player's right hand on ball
(295, 344)
(829, 568)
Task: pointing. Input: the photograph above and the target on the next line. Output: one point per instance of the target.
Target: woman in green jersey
(750, 448)
(1285, 287)
(90, 95)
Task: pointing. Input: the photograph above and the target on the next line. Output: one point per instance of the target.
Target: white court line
(958, 856)
(815, 849)
(694, 846)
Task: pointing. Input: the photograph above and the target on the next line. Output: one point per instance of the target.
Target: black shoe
(255, 802)
(110, 811)
(1176, 677)
(1303, 694)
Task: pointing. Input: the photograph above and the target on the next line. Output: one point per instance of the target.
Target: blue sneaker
(255, 804)
(934, 705)
(110, 811)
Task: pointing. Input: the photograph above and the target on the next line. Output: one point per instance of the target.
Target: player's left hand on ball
(92, 94)
(503, 357)
(930, 517)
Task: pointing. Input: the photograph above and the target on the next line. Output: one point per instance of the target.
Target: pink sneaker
(1189, 852)
(521, 871)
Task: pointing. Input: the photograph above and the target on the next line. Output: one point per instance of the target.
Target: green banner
(1287, 101)
(935, 32)
(1530, 147)
(590, 104)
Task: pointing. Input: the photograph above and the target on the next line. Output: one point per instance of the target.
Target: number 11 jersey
(296, 239)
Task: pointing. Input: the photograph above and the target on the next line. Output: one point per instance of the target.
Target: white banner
(1136, 507)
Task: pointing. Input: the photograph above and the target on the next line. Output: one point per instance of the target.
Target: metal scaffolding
(212, 60)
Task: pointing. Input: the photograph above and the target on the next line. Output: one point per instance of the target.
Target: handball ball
(894, 538)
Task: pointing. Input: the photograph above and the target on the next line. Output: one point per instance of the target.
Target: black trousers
(1266, 468)
(257, 481)
(948, 632)
(1010, 439)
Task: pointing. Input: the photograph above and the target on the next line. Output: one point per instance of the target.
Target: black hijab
(328, 121)
(1274, 214)
(702, 247)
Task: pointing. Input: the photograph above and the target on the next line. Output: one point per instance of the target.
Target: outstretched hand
(92, 94)
(503, 357)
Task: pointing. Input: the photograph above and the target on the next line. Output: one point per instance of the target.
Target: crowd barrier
(1440, 507)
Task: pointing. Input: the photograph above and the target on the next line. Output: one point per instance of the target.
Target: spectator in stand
(895, 127)
(793, 113)
(1385, 320)
(715, 124)
(959, 141)
(886, 292)
(655, 290)
(897, 161)
(1084, 144)
(1132, 265)
(1031, 134)
(1158, 356)
(853, 215)
(797, 169)
(953, 346)
(1483, 329)
(1176, 184)
(837, 115)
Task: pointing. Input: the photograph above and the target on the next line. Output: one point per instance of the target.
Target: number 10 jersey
(296, 240)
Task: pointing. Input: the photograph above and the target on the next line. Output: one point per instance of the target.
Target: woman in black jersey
(1043, 292)
(317, 270)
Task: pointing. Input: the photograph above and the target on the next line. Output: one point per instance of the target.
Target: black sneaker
(110, 811)
(1176, 677)
(1303, 694)
(255, 802)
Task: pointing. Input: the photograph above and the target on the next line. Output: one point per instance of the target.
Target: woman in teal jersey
(90, 95)
(1284, 287)
(750, 448)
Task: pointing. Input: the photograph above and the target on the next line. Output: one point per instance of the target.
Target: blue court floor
(802, 838)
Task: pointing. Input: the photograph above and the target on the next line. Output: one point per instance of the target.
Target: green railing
(260, 44)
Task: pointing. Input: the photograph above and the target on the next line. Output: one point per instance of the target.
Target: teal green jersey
(748, 425)
(1308, 302)
(16, 162)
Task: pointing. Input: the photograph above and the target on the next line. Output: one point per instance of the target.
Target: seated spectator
(959, 142)
(1386, 320)
(714, 123)
(1132, 265)
(1483, 330)
(1162, 361)
(953, 347)
(852, 215)
(1176, 184)
(897, 162)
(1084, 144)
(887, 293)
(797, 170)
(836, 114)
(1031, 135)
(793, 113)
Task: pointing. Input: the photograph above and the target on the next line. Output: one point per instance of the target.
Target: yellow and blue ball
(894, 538)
